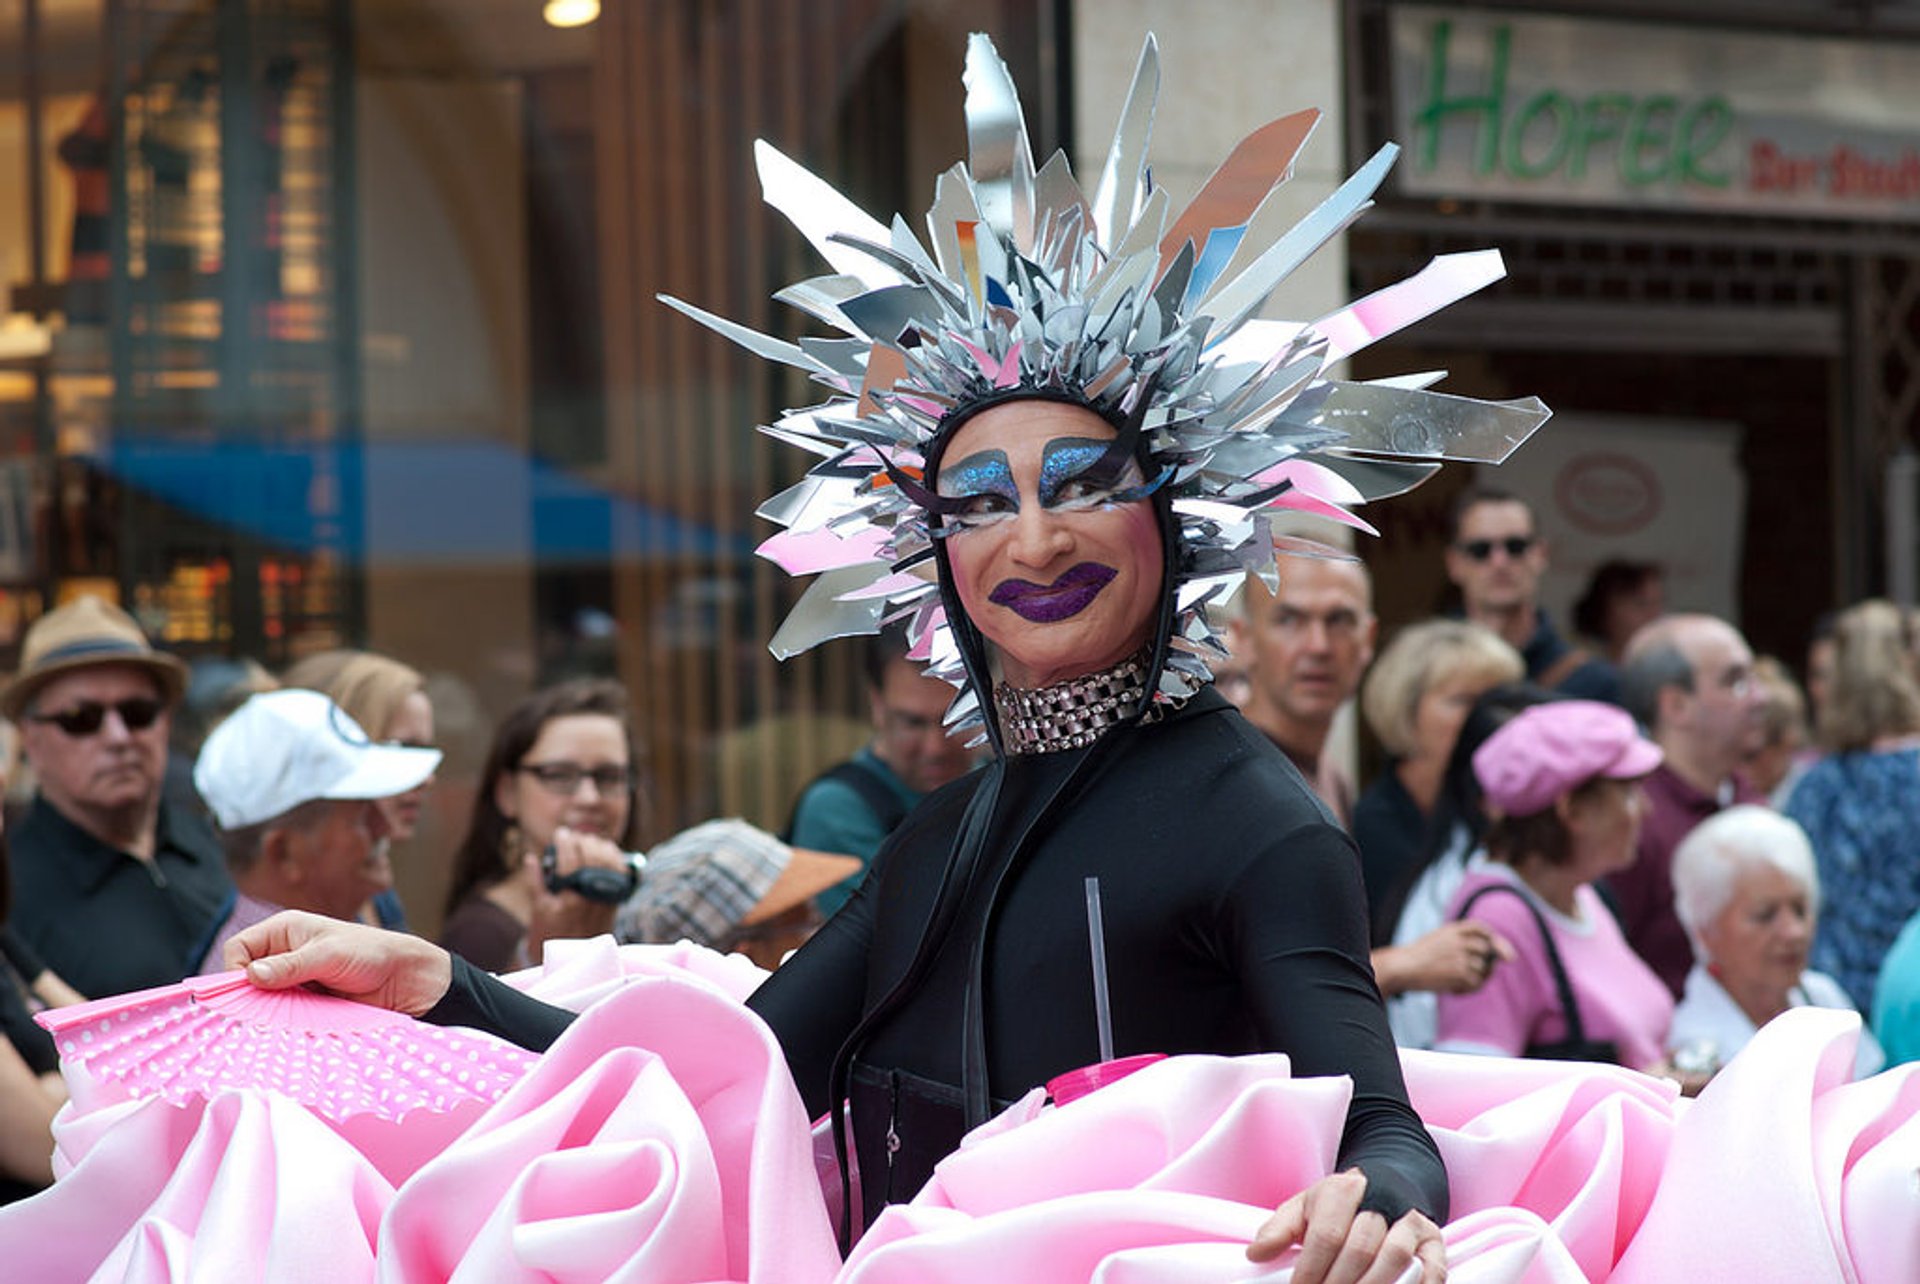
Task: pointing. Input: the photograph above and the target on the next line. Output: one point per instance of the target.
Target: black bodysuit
(1234, 922)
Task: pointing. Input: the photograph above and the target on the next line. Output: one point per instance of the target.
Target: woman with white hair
(1746, 890)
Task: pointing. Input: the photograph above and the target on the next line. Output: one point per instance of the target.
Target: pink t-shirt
(1620, 998)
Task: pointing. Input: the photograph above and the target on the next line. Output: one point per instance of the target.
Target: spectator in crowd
(1415, 697)
(561, 777)
(1621, 596)
(1495, 558)
(1820, 648)
(108, 851)
(297, 787)
(388, 699)
(27, 1108)
(732, 888)
(1745, 888)
(1858, 803)
(854, 806)
(1562, 782)
(1785, 739)
(1896, 997)
(31, 1088)
(1689, 680)
(1304, 649)
(562, 774)
(1416, 904)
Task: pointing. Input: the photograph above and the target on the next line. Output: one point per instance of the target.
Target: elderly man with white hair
(1745, 887)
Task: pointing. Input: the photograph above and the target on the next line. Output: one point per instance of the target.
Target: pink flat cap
(1553, 749)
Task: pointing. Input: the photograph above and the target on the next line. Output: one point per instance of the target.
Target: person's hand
(1454, 958)
(569, 915)
(1339, 1244)
(386, 969)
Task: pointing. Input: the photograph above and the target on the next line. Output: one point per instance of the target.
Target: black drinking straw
(1102, 1008)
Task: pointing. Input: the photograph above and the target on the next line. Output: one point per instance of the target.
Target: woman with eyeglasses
(560, 774)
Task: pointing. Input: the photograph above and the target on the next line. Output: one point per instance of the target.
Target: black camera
(595, 882)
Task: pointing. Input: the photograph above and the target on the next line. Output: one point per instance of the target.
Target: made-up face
(1498, 558)
(577, 774)
(412, 725)
(97, 738)
(1056, 556)
(1759, 941)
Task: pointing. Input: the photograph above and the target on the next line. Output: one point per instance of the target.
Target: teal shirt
(833, 817)
(1896, 1000)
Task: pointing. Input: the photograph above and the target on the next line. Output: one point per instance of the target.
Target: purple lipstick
(1063, 599)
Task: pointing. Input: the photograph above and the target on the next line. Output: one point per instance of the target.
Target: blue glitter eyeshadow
(986, 473)
(1064, 459)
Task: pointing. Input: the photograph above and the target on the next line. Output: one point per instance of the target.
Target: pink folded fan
(334, 1056)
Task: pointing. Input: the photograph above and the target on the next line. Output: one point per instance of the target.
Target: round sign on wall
(1607, 493)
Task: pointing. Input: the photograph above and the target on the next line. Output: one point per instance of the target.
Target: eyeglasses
(563, 778)
(87, 717)
(1481, 550)
(907, 724)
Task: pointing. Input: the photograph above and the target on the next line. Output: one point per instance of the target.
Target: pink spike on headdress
(1315, 490)
(1003, 373)
(1314, 479)
(1447, 279)
(806, 552)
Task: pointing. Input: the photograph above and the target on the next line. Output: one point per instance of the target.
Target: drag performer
(1055, 439)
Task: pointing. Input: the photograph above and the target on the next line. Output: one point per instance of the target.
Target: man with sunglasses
(1495, 557)
(117, 871)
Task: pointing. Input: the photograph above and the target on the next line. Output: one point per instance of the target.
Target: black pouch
(902, 1126)
(1576, 1046)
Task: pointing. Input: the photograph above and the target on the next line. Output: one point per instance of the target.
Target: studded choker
(1070, 714)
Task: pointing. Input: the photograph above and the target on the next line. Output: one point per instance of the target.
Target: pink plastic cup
(1075, 1084)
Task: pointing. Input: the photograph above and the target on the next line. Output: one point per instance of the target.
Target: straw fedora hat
(87, 632)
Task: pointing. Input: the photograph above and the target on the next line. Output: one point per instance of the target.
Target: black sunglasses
(89, 716)
(1480, 550)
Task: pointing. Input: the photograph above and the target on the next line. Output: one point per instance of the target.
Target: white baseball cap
(284, 748)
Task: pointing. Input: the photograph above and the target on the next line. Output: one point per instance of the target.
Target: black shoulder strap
(880, 799)
(1569, 1007)
(873, 791)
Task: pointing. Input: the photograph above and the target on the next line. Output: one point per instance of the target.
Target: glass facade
(328, 323)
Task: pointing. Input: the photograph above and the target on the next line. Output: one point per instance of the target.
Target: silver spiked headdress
(1027, 284)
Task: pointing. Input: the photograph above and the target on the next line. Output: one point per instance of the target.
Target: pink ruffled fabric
(661, 1140)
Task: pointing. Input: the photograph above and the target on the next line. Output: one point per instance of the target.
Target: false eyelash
(936, 504)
